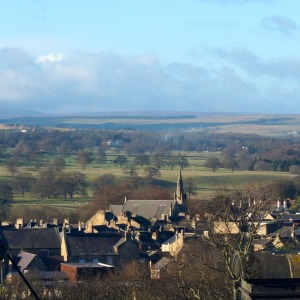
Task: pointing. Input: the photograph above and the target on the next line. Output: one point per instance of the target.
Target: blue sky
(104, 55)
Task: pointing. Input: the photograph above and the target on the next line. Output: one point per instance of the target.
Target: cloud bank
(107, 81)
(280, 24)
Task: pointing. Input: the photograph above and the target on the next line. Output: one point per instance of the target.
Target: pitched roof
(289, 217)
(30, 238)
(170, 240)
(264, 265)
(92, 244)
(116, 209)
(101, 217)
(284, 231)
(164, 261)
(25, 259)
(149, 208)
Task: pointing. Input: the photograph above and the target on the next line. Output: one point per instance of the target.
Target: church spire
(180, 195)
(179, 191)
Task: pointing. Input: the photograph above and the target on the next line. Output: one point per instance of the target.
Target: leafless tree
(233, 219)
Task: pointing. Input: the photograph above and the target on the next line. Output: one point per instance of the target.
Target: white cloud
(284, 68)
(106, 81)
(51, 57)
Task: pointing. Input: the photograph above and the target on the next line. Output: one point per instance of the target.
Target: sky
(71, 56)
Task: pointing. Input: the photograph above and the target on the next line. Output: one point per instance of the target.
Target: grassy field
(206, 182)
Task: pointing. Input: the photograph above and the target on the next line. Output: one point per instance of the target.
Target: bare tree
(84, 158)
(189, 186)
(75, 184)
(12, 165)
(159, 159)
(23, 182)
(130, 170)
(151, 172)
(213, 164)
(233, 219)
(102, 158)
(172, 161)
(120, 160)
(182, 161)
(105, 179)
(6, 196)
(141, 159)
(231, 164)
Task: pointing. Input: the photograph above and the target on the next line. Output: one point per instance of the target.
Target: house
(27, 262)
(266, 227)
(78, 271)
(154, 209)
(108, 248)
(39, 241)
(102, 217)
(289, 218)
(159, 267)
(174, 244)
(267, 276)
(28, 245)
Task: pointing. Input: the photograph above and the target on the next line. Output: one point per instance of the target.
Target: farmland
(264, 147)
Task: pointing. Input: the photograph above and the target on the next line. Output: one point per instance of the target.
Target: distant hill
(16, 113)
(274, 125)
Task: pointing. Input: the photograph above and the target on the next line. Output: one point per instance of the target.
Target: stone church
(155, 209)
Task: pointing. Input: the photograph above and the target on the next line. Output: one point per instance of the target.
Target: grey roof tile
(149, 208)
(30, 238)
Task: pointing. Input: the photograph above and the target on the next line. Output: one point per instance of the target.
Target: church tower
(180, 195)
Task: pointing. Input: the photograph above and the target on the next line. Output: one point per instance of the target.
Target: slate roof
(116, 209)
(46, 276)
(262, 241)
(289, 217)
(284, 231)
(171, 240)
(164, 261)
(165, 236)
(149, 208)
(92, 244)
(266, 266)
(25, 259)
(30, 238)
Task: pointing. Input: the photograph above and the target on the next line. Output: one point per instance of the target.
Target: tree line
(249, 152)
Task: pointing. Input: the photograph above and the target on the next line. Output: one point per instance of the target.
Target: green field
(206, 181)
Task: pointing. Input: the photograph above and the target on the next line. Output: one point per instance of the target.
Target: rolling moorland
(269, 125)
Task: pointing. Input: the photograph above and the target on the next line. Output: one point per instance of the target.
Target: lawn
(206, 181)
